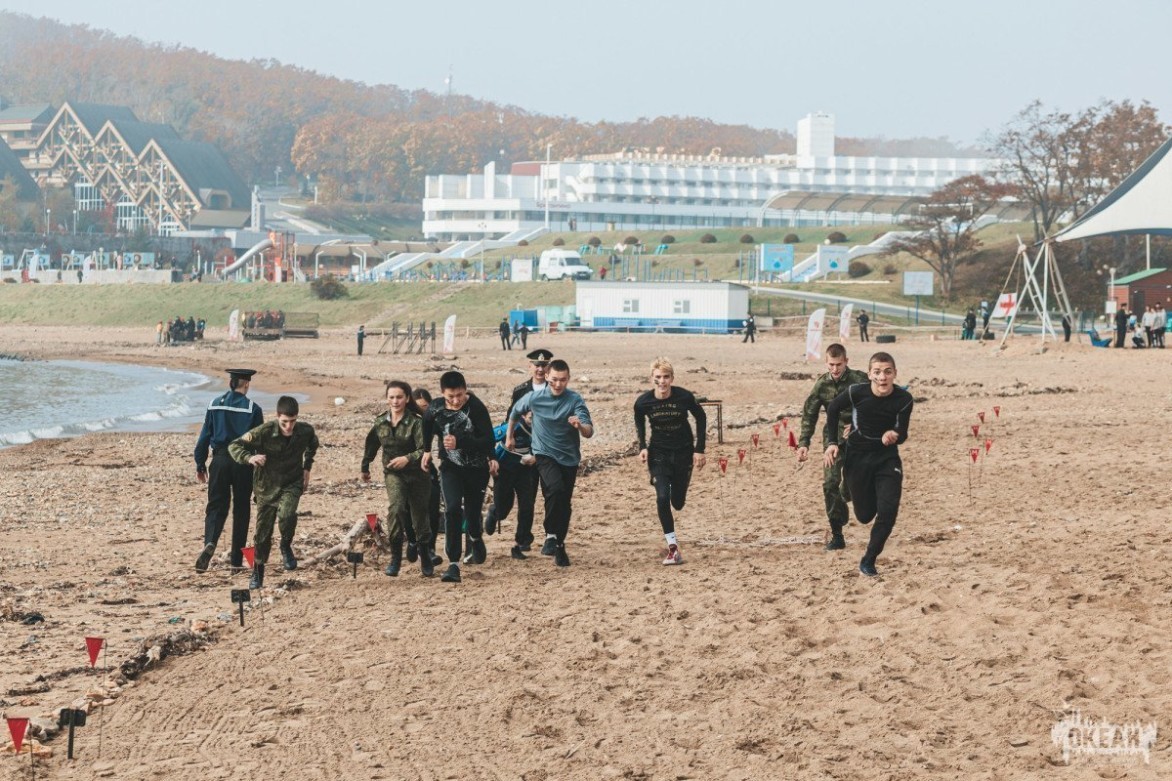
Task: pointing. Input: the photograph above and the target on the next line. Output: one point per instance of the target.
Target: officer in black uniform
(228, 417)
(516, 474)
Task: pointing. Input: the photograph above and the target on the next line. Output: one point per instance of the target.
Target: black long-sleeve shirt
(669, 421)
(871, 415)
(471, 425)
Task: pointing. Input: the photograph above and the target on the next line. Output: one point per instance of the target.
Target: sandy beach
(1016, 591)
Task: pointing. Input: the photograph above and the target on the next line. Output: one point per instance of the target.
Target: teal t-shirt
(553, 436)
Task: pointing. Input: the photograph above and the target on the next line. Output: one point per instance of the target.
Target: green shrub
(707, 238)
(890, 269)
(836, 237)
(594, 241)
(668, 239)
(631, 241)
(747, 239)
(697, 262)
(559, 242)
(523, 243)
(328, 288)
(857, 268)
(790, 238)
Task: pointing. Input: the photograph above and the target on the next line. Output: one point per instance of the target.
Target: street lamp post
(483, 238)
(48, 221)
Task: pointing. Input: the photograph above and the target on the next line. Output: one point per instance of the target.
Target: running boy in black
(880, 412)
(461, 422)
(672, 452)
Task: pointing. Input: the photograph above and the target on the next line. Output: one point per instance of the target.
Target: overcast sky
(896, 69)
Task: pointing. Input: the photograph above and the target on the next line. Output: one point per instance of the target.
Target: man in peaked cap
(228, 417)
(516, 475)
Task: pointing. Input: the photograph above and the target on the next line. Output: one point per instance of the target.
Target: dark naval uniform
(515, 480)
(277, 485)
(227, 417)
(825, 390)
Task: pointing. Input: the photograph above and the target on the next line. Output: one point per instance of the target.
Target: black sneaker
(436, 559)
(258, 577)
(205, 558)
(412, 552)
(560, 558)
(425, 565)
(517, 553)
(490, 521)
(452, 575)
(479, 552)
(288, 560)
(525, 548)
(868, 568)
(550, 547)
(837, 541)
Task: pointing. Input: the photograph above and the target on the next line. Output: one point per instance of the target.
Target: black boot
(287, 557)
(412, 552)
(396, 558)
(837, 541)
(426, 563)
(205, 558)
(258, 576)
(436, 559)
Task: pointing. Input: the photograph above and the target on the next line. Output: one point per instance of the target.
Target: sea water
(52, 399)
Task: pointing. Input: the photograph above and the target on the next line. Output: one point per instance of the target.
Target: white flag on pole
(814, 334)
(844, 322)
(450, 335)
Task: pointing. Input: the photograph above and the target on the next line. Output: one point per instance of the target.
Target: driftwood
(348, 541)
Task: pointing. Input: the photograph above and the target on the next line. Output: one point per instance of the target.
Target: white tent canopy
(1142, 203)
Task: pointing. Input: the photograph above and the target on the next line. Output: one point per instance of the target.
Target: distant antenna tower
(448, 95)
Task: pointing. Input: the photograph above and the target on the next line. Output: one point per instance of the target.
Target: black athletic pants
(671, 473)
(228, 482)
(875, 479)
(463, 489)
(557, 488)
(521, 482)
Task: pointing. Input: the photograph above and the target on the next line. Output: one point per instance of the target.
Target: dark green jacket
(824, 391)
(286, 458)
(405, 439)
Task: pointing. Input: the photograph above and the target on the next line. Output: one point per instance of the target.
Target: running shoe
(560, 558)
(452, 575)
(550, 546)
(837, 541)
(868, 568)
(673, 555)
(516, 553)
(479, 552)
(205, 558)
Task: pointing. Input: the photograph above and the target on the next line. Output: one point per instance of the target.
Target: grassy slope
(476, 304)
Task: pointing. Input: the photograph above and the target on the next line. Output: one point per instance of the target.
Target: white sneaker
(673, 555)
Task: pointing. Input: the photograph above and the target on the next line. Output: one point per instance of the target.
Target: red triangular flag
(249, 555)
(988, 445)
(741, 455)
(997, 411)
(756, 440)
(94, 646)
(973, 453)
(976, 431)
(17, 727)
(723, 461)
(372, 520)
(785, 423)
(777, 430)
(981, 416)
(793, 441)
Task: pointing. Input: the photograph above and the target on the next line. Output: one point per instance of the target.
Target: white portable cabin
(676, 307)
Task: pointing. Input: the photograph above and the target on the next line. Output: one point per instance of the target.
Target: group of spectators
(179, 330)
(266, 319)
(1147, 329)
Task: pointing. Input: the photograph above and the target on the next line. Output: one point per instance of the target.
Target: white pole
(1148, 241)
(544, 190)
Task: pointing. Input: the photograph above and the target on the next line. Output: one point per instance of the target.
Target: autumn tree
(945, 226)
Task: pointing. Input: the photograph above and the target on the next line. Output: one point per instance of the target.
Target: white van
(562, 263)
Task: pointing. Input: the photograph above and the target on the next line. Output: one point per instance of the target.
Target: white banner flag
(450, 335)
(844, 322)
(814, 334)
(234, 326)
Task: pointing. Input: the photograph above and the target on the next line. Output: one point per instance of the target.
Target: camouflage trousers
(836, 495)
(279, 508)
(407, 498)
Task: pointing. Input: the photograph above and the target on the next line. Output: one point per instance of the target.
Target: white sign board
(918, 283)
(521, 270)
(832, 259)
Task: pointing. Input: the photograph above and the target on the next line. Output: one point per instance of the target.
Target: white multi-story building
(656, 191)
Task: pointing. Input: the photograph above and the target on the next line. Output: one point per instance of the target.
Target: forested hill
(357, 140)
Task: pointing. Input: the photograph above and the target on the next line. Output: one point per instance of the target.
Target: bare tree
(946, 226)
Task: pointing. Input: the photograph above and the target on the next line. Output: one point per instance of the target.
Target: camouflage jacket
(824, 391)
(405, 439)
(286, 458)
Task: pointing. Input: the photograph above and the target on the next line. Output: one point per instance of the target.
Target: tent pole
(1148, 248)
